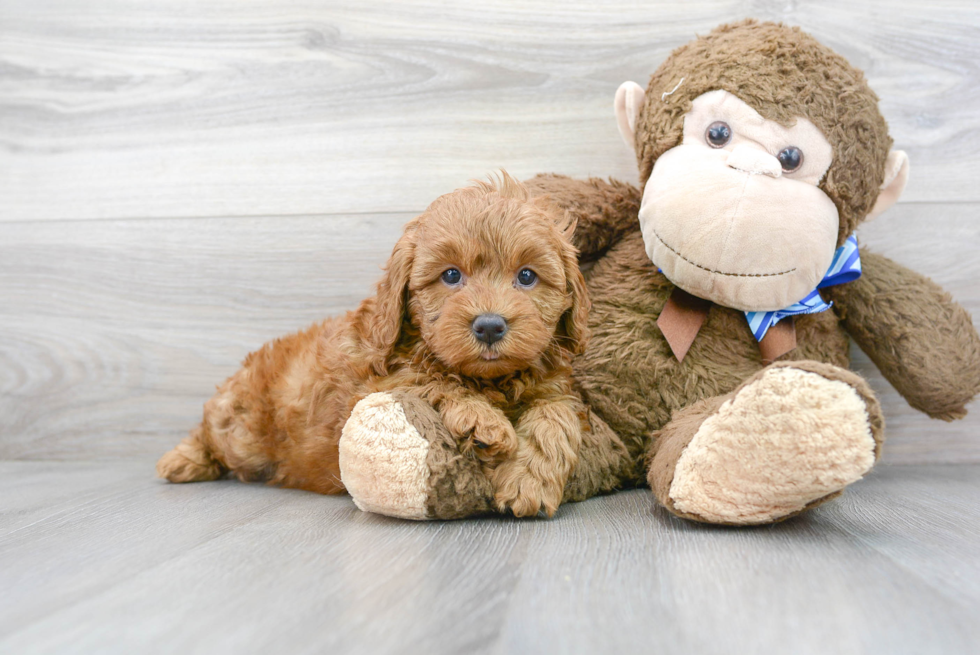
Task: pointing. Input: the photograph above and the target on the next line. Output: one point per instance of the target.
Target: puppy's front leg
(549, 435)
(478, 425)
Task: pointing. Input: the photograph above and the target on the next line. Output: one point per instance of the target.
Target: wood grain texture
(127, 108)
(142, 566)
(114, 333)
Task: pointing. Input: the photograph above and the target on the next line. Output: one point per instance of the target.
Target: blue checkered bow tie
(846, 267)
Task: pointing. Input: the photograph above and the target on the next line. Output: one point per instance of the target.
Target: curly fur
(510, 404)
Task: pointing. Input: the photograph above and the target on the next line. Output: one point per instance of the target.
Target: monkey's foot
(792, 436)
(398, 459)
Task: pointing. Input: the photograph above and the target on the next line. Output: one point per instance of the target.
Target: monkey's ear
(896, 177)
(629, 99)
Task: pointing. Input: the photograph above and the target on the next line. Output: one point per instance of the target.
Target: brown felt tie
(681, 319)
(683, 315)
(779, 340)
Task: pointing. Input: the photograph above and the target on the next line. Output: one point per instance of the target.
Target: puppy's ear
(566, 225)
(574, 323)
(564, 220)
(380, 318)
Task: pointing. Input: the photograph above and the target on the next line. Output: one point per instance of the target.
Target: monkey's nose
(489, 328)
(747, 159)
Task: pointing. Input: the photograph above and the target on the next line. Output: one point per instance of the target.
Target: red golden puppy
(479, 312)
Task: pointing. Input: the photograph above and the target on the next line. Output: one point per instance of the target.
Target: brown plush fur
(603, 211)
(915, 333)
(279, 419)
(629, 374)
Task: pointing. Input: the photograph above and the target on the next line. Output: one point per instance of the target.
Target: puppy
(479, 311)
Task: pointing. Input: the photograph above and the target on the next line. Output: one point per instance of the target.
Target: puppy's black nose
(489, 328)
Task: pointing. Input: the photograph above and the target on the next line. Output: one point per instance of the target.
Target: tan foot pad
(784, 441)
(383, 459)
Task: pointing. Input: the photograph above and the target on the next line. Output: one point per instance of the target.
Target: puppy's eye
(526, 278)
(718, 134)
(452, 276)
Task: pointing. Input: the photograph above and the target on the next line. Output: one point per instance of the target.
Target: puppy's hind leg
(190, 461)
(235, 435)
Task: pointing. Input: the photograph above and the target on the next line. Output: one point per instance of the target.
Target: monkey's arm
(921, 340)
(469, 416)
(604, 210)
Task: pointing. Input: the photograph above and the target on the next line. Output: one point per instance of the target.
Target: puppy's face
(493, 282)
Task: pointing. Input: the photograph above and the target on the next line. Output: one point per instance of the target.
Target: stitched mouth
(711, 270)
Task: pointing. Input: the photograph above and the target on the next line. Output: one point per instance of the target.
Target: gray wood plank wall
(181, 181)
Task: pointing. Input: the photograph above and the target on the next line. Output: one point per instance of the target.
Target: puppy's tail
(190, 461)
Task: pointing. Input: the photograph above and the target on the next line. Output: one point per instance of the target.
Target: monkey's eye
(452, 276)
(790, 158)
(718, 134)
(526, 278)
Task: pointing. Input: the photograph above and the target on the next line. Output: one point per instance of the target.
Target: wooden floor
(101, 558)
(183, 180)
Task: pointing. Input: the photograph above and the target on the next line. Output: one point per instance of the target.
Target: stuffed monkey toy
(725, 290)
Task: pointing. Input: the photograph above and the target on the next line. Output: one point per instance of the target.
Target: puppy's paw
(493, 440)
(518, 490)
(482, 429)
(190, 461)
